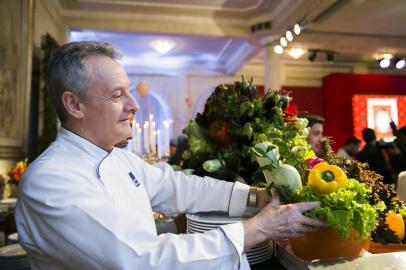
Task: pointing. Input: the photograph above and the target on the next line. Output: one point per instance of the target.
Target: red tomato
(219, 132)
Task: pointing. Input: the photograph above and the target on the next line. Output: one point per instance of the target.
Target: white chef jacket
(80, 207)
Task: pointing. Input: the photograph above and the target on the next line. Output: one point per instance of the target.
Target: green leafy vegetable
(346, 209)
(214, 165)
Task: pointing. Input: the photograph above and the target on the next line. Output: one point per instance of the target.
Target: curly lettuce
(346, 209)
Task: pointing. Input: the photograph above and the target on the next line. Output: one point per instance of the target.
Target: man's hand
(275, 222)
(263, 197)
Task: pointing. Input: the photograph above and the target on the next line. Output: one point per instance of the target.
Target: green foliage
(49, 119)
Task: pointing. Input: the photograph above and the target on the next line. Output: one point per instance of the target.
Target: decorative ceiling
(223, 35)
(218, 54)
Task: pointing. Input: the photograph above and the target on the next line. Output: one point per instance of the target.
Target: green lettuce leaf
(346, 209)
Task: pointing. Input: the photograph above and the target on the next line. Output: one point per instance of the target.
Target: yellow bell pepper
(326, 178)
(396, 224)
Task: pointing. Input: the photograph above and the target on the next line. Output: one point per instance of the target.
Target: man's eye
(116, 97)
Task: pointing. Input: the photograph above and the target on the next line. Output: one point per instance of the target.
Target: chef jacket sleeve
(172, 192)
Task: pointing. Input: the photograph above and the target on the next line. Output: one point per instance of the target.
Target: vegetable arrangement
(259, 140)
(236, 118)
(391, 213)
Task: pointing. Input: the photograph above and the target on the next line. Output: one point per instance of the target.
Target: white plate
(13, 237)
(193, 224)
(258, 252)
(262, 246)
(258, 259)
(204, 225)
(10, 201)
(12, 250)
(196, 231)
(200, 228)
(252, 262)
(220, 218)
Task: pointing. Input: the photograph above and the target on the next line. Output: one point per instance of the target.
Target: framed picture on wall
(381, 111)
(375, 111)
(15, 73)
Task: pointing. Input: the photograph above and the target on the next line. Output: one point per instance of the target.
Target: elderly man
(85, 204)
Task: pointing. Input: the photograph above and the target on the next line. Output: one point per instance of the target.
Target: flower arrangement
(16, 172)
(260, 140)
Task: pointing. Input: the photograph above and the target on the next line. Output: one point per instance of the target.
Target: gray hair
(68, 70)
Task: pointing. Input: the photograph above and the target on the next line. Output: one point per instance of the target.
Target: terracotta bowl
(326, 244)
(377, 248)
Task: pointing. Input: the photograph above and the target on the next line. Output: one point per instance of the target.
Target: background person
(350, 148)
(181, 146)
(384, 158)
(315, 137)
(374, 156)
(400, 140)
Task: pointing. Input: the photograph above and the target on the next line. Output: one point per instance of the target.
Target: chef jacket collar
(88, 147)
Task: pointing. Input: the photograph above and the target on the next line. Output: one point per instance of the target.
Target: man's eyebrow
(120, 88)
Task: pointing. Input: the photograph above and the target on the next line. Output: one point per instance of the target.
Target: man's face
(108, 108)
(315, 137)
(172, 150)
(353, 149)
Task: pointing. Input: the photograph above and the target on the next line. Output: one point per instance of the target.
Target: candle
(138, 140)
(153, 144)
(146, 137)
(152, 138)
(166, 139)
(158, 133)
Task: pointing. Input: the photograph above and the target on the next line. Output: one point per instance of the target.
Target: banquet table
(389, 261)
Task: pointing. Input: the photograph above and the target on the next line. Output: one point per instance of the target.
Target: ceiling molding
(163, 26)
(252, 5)
(260, 7)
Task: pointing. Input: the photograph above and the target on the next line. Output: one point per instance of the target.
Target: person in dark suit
(374, 156)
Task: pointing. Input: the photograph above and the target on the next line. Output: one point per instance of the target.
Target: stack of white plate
(10, 202)
(202, 222)
(13, 257)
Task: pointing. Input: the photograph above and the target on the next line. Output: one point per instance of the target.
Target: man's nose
(132, 104)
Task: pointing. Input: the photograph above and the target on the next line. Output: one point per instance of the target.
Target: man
(376, 158)
(350, 148)
(84, 204)
(315, 137)
(400, 141)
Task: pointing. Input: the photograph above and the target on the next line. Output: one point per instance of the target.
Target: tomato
(220, 134)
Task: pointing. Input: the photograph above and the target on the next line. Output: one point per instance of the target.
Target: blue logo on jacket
(135, 181)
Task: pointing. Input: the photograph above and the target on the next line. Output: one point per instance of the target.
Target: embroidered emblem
(135, 181)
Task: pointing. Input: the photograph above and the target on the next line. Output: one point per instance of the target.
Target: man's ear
(72, 104)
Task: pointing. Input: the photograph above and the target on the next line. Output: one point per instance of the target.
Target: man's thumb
(275, 199)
